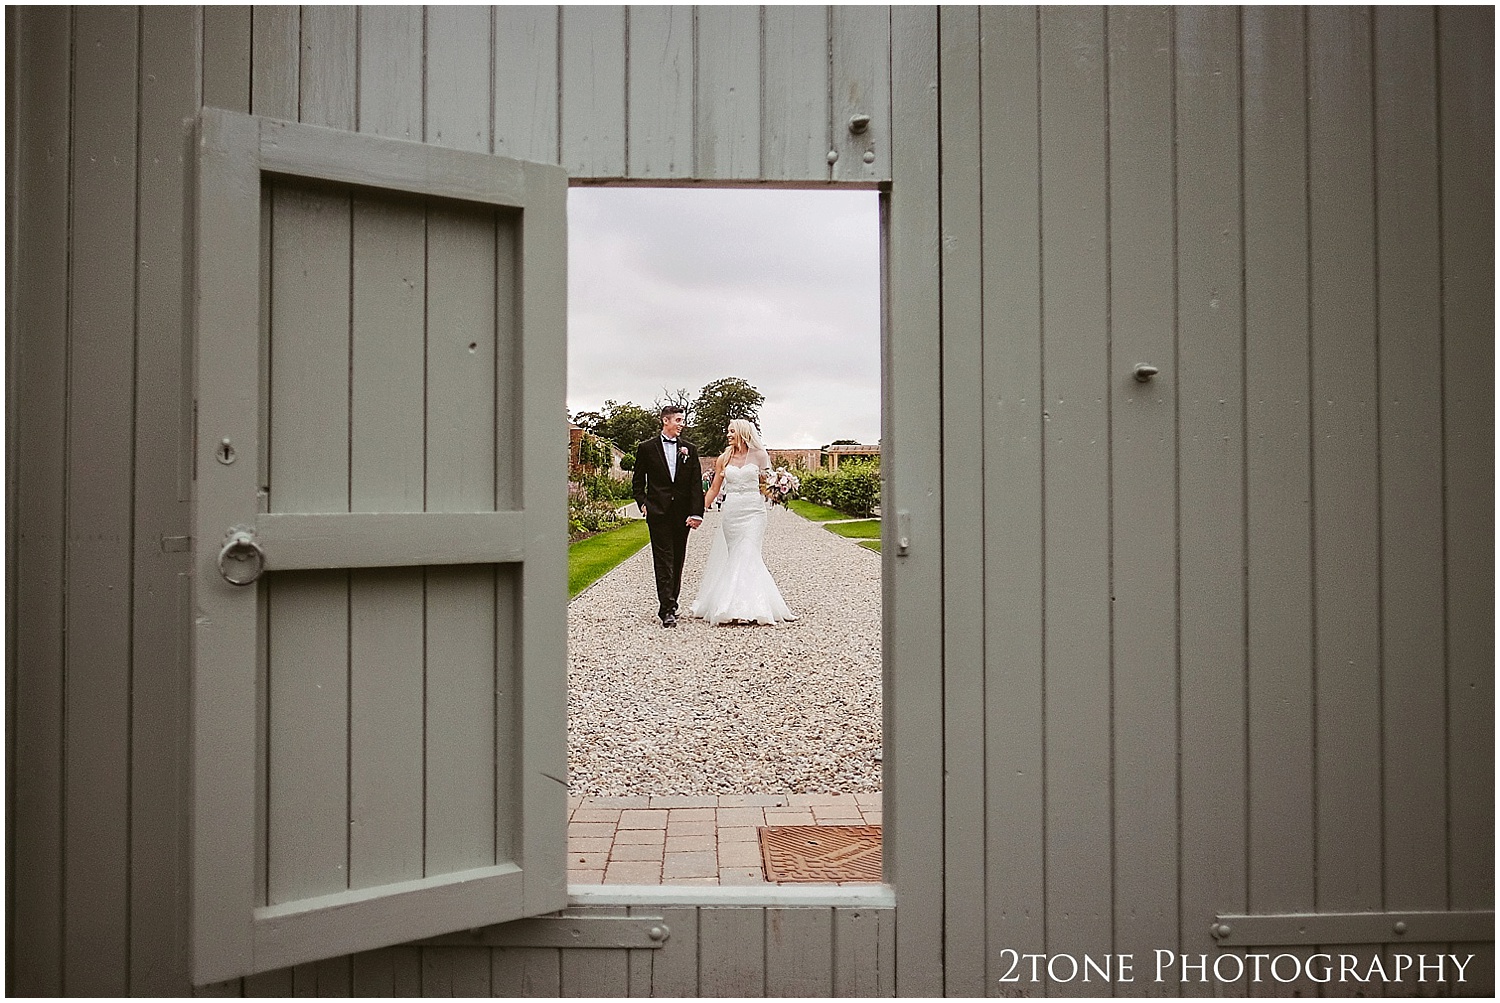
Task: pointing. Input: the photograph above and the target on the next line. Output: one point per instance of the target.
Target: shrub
(851, 487)
(627, 462)
(589, 515)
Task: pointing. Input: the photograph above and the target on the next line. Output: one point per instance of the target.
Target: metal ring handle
(241, 560)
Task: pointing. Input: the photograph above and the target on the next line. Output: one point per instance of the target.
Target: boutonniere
(682, 451)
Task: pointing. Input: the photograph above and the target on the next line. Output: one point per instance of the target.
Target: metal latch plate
(619, 932)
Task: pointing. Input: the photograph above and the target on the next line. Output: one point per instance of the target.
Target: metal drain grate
(821, 852)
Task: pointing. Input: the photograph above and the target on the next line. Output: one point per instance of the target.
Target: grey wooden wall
(1218, 642)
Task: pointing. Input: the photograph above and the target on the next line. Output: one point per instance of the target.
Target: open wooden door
(379, 664)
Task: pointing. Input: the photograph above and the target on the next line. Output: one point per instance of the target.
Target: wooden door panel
(307, 709)
(389, 784)
(308, 303)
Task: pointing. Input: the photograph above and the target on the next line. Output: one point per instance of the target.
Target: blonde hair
(748, 437)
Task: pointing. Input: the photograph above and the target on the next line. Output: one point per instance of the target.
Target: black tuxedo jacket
(653, 486)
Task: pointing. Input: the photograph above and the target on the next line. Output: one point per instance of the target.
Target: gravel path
(787, 709)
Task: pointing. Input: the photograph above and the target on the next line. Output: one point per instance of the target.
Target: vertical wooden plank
(856, 952)
(461, 727)
(1467, 112)
(642, 962)
(390, 972)
(1346, 516)
(328, 69)
(458, 77)
(226, 56)
(461, 686)
(1409, 308)
(535, 704)
(795, 93)
(97, 667)
(333, 977)
(731, 942)
(1210, 445)
(1013, 432)
(1142, 460)
(593, 91)
(886, 955)
(592, 973)
(307, 660)
(863, 85)
(390, 71)
(527, 82)
(161, 681)
(38, 401)
(674, 969)
(911, 598)
(529, 972)
(456, 971)
(275, 49)
(660, 65)
(1278, 534)
(387, 400)
(470, 348)
(227, 702)
(13, 118)
(387, 395)
(1076, 384)
(385, 726)
(963, 510)
(307, 768)
(309, 447)
(508, 395)
(727, 139)
(799, 952)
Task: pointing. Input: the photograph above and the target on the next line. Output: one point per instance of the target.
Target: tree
(677, 398)
(717, 405)
(623, 424)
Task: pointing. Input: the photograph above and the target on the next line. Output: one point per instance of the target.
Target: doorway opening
(684, 743)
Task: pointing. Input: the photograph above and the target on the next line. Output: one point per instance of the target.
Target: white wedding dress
(735, 583)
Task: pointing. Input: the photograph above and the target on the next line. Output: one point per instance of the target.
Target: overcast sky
(674, 288)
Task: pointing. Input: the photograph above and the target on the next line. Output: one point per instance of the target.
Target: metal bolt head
(659, 933)
(1400, 926)
(833, 156)
(869, 156)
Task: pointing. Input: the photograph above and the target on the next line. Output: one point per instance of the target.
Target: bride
(736, 584)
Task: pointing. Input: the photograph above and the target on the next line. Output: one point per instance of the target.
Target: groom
(668, 488)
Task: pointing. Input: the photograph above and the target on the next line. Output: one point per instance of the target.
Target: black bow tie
(665, 439)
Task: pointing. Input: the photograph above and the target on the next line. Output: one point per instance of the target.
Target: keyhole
(226, 452)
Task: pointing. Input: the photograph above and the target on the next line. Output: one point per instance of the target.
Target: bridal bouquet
(780, 486)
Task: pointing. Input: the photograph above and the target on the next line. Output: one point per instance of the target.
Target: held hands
(694, 521)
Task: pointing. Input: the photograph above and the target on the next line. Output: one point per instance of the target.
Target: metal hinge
(619, 932)
(1353, 928)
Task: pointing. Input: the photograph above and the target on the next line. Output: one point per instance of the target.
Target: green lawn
(863, 529)
(870, 545)
(591, 559)
(813, 512)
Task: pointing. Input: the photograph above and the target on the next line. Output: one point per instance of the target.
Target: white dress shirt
(669, 448)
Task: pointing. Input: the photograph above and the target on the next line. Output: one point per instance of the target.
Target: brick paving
(680, 839)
